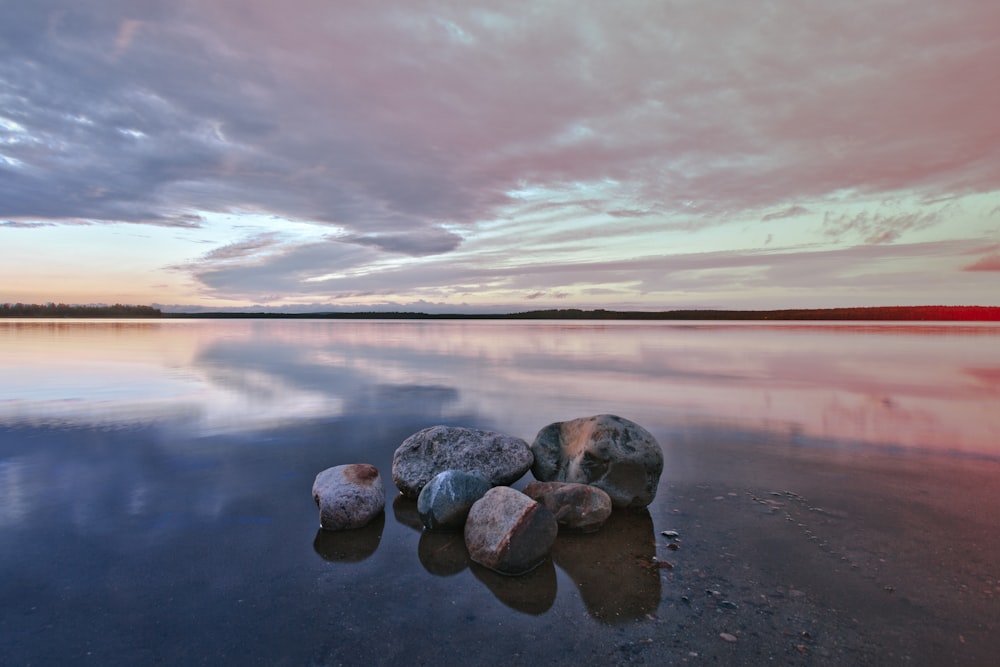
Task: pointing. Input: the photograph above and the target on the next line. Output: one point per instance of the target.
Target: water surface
(155, 504)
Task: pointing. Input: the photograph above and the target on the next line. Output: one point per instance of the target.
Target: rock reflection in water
(350, 546)
(610, 567)
(532, 593)
(405, 511)
(443, 553)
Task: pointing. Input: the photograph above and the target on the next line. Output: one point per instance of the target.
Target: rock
(348, 496)
(502, 459)
(444, 502)
(508, 532)
(612, 453)
(579, 507)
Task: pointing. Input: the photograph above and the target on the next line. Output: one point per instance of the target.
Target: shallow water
(834, 485)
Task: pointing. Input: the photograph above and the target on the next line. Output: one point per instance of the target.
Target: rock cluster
(460, 477)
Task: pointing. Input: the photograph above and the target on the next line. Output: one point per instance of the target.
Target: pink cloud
(725, 108)
(988, 263)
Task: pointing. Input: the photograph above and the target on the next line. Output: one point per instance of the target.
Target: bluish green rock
(444, 502)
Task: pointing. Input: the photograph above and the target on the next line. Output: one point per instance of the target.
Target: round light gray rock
(348, 496)
(579, 507)
(509, 532)
(500, 458)
(614, 454)
(444, 502)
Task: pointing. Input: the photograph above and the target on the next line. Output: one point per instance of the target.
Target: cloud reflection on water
(920, 386)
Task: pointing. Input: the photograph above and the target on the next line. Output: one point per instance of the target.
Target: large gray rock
(509, 532)
(348, 496)
(500, 458)
(445, 501)
(579, 507)
(612, 453)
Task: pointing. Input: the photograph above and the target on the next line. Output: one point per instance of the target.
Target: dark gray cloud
(25, 225)
(282, 274)
(429, 241)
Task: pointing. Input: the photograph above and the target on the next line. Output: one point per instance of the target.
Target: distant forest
(67, 310)
(886, 313)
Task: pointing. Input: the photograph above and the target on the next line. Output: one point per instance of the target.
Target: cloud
(419, 243)
(403, 130)
(789, 212)
(334, 271)
(988, 263)
(388, 117)
(876, 227)
(127, 31)
(13, 224)
(283, 273)
(245, 248)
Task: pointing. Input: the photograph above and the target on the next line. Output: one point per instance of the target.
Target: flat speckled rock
(500, 458)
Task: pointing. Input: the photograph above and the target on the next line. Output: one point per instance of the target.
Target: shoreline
(862, 314)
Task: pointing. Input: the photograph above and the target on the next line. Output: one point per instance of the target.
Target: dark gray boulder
(578, 507)
(614, 454)
(508, 532)
(500, 458)
(348, 496)
(444, 502)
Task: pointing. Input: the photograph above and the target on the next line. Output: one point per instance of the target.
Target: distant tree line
(883, 313)
(886, 313)
(69, 310)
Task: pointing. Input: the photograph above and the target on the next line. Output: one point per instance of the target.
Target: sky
(477, 157)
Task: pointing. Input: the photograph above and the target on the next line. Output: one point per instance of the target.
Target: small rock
(500, 458)
(726, 604)
(579, 507)
(445, 501)
(612, 453)
(670, 533)
(727, 637)
(348, 496)
(509, 532)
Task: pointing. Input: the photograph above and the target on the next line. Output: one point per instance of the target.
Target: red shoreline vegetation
(862, 314)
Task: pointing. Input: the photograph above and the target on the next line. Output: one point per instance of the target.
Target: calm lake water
(835, 487)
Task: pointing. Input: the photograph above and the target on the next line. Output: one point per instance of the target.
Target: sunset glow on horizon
(459, 156)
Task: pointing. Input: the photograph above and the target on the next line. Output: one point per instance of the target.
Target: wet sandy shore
(816, 556)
